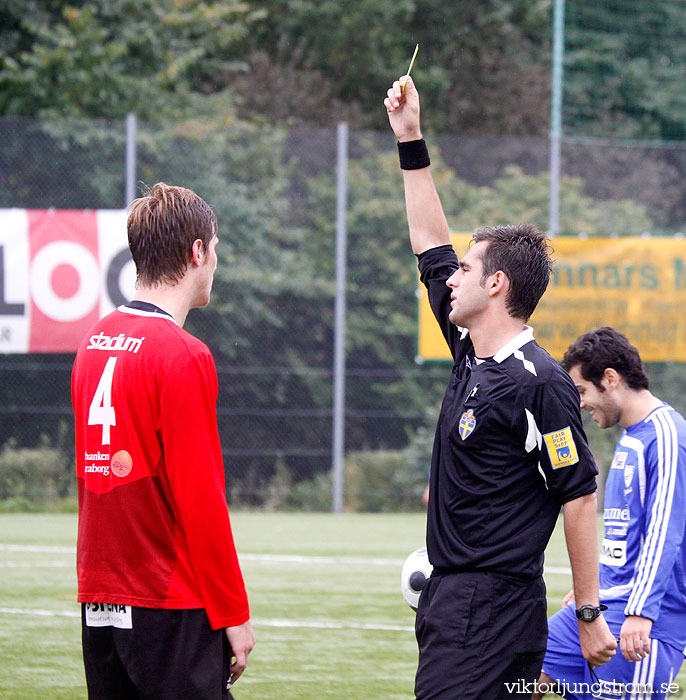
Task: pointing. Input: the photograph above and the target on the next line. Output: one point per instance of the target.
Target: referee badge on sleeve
(467, 424)
(561, 448)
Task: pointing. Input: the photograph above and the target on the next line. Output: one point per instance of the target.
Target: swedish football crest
(467, 424)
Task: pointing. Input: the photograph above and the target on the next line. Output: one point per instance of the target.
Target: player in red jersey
(164, 606)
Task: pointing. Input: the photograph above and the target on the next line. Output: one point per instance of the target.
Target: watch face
(587, 614)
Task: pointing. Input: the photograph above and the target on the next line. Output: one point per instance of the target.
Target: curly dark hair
(605, 347)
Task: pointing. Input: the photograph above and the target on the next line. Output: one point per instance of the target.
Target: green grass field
(324, 591)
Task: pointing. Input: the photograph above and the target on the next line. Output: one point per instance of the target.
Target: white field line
(289, 624)
(36, 564)
(267, 558)
(35, 548)
(306, 559)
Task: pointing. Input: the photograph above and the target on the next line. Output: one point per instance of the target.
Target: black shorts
(481, 636)
(166, 655)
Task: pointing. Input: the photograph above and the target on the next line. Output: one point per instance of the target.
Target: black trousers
(481, 636)
(168, 655)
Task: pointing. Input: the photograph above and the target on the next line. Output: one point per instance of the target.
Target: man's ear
(611, 378)
(197, 253)
(497, 282)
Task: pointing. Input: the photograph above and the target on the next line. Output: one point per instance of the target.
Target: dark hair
(162, 226)
(605, 347)
(523, 254)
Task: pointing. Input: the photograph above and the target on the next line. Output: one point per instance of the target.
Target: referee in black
(509, 452)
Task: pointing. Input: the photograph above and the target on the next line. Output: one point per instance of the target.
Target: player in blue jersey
(642, 561)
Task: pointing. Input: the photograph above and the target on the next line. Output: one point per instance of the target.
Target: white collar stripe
(147, 314)
(526, 336)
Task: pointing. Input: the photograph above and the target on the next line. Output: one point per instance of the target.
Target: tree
(482, 67)
(624, 69)
(104, 59)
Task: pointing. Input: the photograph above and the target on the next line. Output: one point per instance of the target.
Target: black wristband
(414, 155)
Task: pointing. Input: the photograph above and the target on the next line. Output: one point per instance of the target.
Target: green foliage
(104, 59)
(17, 504)
(413, 477)
(515, 196)
(380, 481)
(33, 474)
(482, 67)
(369, 482)
(624, 68)
(312, 495)
(282, 59)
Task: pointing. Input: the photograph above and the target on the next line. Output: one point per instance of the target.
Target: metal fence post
(339, 318)
(556, 117)
(130, 159)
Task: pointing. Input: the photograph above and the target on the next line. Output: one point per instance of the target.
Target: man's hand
(635, 637)
(568, 599)
(598, 644)
(242, 641)
(402, 105)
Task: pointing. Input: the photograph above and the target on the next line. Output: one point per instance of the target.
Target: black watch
(588, 613)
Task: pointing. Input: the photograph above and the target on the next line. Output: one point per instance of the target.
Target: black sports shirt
(509, 448)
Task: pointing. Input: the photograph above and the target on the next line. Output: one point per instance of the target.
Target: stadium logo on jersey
(628, 474)
(619, 460)
(561, 448)
(115, 342)
(613, 552)
(467, 424)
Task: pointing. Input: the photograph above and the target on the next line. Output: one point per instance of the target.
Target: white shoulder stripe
(528, 364)
(533, 434)
(534, 439)
(651, 552)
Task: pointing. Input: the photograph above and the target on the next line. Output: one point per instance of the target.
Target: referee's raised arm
(425, 217)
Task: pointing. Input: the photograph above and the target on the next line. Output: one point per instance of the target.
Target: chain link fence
(270, 322)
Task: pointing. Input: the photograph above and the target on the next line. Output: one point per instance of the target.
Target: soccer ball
(416, 570)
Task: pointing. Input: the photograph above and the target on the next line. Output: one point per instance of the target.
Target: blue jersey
(643, 561)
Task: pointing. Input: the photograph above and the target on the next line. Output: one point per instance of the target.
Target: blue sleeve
(665, 517)
(435, 266)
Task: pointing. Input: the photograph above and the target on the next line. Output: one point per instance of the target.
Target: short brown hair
(523, 254)
(162, 226)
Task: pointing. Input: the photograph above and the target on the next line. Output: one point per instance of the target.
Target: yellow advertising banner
(636, 285)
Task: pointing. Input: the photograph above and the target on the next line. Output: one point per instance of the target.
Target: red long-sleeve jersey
(154, 527)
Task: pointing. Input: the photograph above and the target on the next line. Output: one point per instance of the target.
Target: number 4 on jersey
(101, 411)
